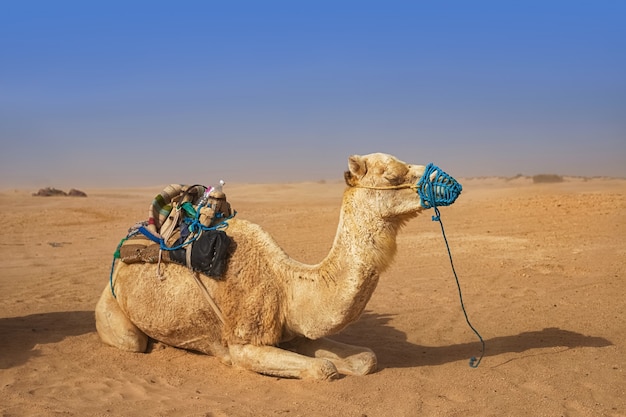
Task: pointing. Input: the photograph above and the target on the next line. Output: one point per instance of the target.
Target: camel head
(388, 184)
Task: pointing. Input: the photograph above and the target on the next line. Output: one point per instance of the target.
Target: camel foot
(360, 364)
(269, 360)
(114, 328)
(348, 359)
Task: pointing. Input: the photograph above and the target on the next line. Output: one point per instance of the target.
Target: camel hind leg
(114, 328)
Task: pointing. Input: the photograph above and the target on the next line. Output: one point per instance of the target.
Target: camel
(273, 313)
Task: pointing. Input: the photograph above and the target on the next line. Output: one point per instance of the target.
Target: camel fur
(277, 312)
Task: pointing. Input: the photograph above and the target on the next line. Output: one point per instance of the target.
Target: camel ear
(357, 169)
(357, 166)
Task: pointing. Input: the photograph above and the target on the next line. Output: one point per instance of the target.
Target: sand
(541, 266)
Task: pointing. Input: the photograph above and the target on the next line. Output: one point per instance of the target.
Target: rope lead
(443, 191)
(473, 362)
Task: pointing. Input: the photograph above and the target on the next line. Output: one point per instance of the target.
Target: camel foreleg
(270, 360)
(348, 359)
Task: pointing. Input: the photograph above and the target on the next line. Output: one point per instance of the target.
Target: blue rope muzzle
(441, 190)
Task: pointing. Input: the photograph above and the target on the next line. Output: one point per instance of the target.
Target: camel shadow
(19, 336)
(394, 351)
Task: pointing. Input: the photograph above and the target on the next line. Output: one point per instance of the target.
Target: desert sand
(541, 267)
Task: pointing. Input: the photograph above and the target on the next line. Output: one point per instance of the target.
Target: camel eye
(379, 171)
(395, 174)
(394, 179)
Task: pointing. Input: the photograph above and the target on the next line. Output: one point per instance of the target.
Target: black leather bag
(209, 253)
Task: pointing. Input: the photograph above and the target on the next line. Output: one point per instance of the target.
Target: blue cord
(111, 277)
(194, 227)
(116, 256)
(473, 363)
(445, 193)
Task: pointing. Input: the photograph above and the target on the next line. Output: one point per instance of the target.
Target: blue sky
(148, 93)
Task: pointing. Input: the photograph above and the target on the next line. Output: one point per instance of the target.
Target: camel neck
(364, 240)
(343, 283)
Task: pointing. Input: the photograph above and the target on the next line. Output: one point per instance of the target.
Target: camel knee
(115, 329)
(321, 369)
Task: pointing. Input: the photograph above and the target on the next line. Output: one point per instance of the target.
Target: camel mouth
(437, 188)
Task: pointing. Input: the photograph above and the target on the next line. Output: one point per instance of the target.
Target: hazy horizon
(138, 94)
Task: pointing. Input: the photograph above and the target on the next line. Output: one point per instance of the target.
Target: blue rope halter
(443, 190)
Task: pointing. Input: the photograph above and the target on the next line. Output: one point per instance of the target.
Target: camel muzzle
(437, 188)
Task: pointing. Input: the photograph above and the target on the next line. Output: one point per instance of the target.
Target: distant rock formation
(50, 192)
(76, 193)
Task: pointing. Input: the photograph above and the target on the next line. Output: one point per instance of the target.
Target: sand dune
(542, 268)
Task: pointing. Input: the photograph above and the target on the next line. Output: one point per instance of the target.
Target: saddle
(186, 226)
